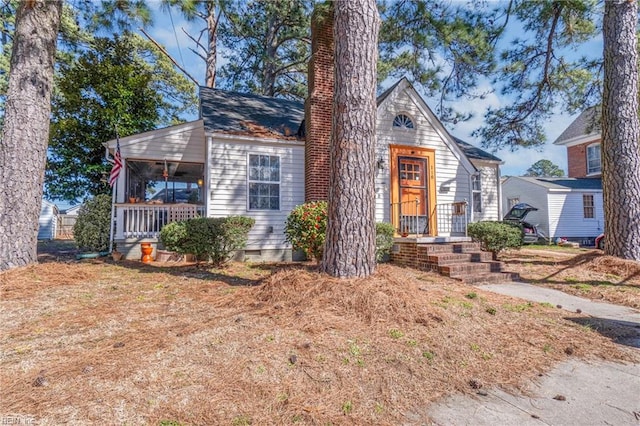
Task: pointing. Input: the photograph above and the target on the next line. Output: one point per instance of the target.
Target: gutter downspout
(499, 177)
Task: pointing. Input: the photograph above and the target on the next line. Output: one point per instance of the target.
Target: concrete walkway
(575, 392)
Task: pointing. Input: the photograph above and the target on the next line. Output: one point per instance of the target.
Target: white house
(260, 157)
(568, 208)
(252, 155)
(48, 221)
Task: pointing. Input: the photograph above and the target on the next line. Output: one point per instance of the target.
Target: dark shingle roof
(568, 183)
(242, 113)
(473, 152)
(587, 123)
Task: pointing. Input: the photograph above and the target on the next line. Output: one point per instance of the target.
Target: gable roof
(253, 115)
(564, 183)
(474, 152)
(387, 92)
(586, 124)
(242, 113)
(462, 150)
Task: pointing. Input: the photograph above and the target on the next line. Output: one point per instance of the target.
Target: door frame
(396, 151)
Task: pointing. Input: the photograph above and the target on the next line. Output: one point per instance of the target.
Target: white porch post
(120, 198)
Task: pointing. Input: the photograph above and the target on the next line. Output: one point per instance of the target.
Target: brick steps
(462, 261)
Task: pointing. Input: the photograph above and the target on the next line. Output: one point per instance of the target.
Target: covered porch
(162, 181)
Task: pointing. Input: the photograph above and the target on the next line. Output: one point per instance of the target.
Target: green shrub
(209, 239)
(173, 236)
(496, 236)
(384, 240)
(306, 227)
(93, 226)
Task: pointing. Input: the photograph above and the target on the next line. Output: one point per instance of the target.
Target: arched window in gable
(403, 121)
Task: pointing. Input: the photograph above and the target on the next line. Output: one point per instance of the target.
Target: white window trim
(593, 206)
(249, 181)
(599, 171)
(477, 192)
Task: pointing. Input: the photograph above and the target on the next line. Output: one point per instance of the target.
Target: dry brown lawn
(583, 272)
(97, 342)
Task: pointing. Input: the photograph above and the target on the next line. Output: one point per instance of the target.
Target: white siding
(184, 142)
(560, 213)
(452, 179)
(228, 187)
(490, 194)
(566, 215)
(530, 193)
(48, 221)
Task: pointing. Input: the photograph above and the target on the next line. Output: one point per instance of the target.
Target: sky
(167, 30)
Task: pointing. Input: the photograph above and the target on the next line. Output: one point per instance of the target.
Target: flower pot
(132, 200)
(146, 250)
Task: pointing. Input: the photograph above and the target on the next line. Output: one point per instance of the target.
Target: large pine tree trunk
(351, 233)
(212, 53)
(23, 148)
(621, 130)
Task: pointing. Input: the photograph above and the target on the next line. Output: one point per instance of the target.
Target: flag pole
(113, 219)
(114, 188)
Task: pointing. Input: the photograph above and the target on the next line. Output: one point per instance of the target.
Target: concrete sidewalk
(575, 392)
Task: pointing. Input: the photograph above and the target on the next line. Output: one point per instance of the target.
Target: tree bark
(212, 53)
(350, 241)
(23, 148)
(621, 130)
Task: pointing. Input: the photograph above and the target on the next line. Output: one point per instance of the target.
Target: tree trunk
(23, 148)
(212, 53)
(351, 232)
(621, 130)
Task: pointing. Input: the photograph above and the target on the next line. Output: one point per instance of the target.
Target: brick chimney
(319, 106)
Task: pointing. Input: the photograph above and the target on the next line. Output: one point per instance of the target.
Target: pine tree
(26, 129)
(621, 130)
(351, 234)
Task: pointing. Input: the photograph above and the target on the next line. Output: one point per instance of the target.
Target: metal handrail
(452, 217)
(404, 222)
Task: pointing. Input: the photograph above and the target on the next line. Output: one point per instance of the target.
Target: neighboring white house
(568, 208)
(248, 156)
(48, 221)
(73, 211)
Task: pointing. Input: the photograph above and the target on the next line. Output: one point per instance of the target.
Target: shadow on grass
(234, 273)
(622, 332)
(566, 264)
(57, 251)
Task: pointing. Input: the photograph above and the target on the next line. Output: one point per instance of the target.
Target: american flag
(117, 165)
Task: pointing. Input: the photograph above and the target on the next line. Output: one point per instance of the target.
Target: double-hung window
(264, 182)
(594, 164)
(588, 206)
(476, 189)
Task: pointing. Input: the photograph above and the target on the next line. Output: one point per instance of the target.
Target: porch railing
(407, 219)
(452, 218)
(146, 220)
